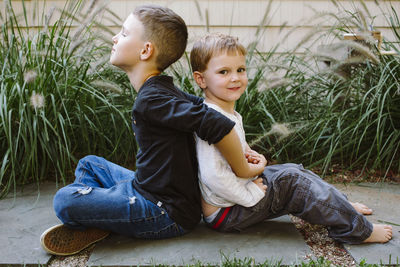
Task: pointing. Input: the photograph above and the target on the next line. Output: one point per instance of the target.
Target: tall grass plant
(60, 99)
(57, 102)
(346, 114)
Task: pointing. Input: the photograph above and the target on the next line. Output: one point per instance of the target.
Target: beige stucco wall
(243, 18)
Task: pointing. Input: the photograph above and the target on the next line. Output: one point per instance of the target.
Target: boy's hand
(251, 156)
(231, 149)
(257, 163)
(254, 157)
(259, 183)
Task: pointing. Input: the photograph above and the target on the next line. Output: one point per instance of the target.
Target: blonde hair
(211, 45)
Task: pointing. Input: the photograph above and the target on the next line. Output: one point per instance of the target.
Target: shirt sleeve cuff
(215, 126)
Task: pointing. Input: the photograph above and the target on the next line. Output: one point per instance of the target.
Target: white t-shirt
(218, 183)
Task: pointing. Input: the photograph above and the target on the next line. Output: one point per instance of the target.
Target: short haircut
(166, 30)
(211, 45)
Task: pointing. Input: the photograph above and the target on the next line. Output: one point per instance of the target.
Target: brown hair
(211, 45)
(166, 30)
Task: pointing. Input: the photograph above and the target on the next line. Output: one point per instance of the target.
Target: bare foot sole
(381, 233)
(361, 208)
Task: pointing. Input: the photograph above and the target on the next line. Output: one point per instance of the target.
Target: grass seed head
(30, 76)
(37, 100)
(280, 129)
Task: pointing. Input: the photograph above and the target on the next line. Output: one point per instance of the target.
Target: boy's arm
(184, 115)
(251, 155)
(194, 99)
(230, 148)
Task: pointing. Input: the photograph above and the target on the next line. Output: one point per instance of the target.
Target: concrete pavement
(24, 217)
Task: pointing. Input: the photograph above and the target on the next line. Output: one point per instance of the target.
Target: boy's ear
(199, 78)
(147, 51)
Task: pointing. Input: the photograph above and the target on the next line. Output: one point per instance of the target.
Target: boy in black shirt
(161, 199)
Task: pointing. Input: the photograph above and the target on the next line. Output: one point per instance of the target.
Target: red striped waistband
(222, 218)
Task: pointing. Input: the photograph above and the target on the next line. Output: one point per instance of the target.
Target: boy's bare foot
(381, 233)
(361, 208)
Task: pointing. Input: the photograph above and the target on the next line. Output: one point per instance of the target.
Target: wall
(245, 18)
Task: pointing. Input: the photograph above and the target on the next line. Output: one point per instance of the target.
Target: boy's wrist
(256, 169)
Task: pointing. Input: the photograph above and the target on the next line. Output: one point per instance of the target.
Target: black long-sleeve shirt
(164, 119)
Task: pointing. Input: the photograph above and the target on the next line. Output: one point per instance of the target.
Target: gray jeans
(300, 192)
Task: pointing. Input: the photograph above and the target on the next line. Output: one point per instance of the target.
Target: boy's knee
(279, 168)
(293, 178)
(90, 158)
(62, 201)
(292, 171)
(88, 161)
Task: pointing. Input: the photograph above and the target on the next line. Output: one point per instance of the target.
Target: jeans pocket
(151, 211)
(290, 191)
(281, 193)
(261, 205)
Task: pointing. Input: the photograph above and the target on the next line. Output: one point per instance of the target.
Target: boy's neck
(227, 107)
(139, 76)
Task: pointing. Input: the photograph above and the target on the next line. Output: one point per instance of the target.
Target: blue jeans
(102, 196)
(300, 192)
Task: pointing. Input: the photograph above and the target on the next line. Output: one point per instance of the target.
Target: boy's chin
(113, 62)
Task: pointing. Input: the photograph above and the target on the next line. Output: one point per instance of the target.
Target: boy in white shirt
(231, 200)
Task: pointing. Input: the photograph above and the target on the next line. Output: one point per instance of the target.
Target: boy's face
(225, 78)
(128, 44)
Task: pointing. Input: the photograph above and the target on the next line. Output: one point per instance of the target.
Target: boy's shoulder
(235, 117)
(160, 84)
(158, 87)
(160, 91)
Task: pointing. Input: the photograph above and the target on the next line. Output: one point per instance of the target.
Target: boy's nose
(234, 77)
(114, 38)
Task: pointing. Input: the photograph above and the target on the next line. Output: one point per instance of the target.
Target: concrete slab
(271, 240)
(384, 199)
(22, 220)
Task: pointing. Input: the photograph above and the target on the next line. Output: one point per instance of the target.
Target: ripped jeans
(102, 196)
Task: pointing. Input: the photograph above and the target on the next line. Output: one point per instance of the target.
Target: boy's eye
(241, 70)
(223, 71)
(122, 31)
